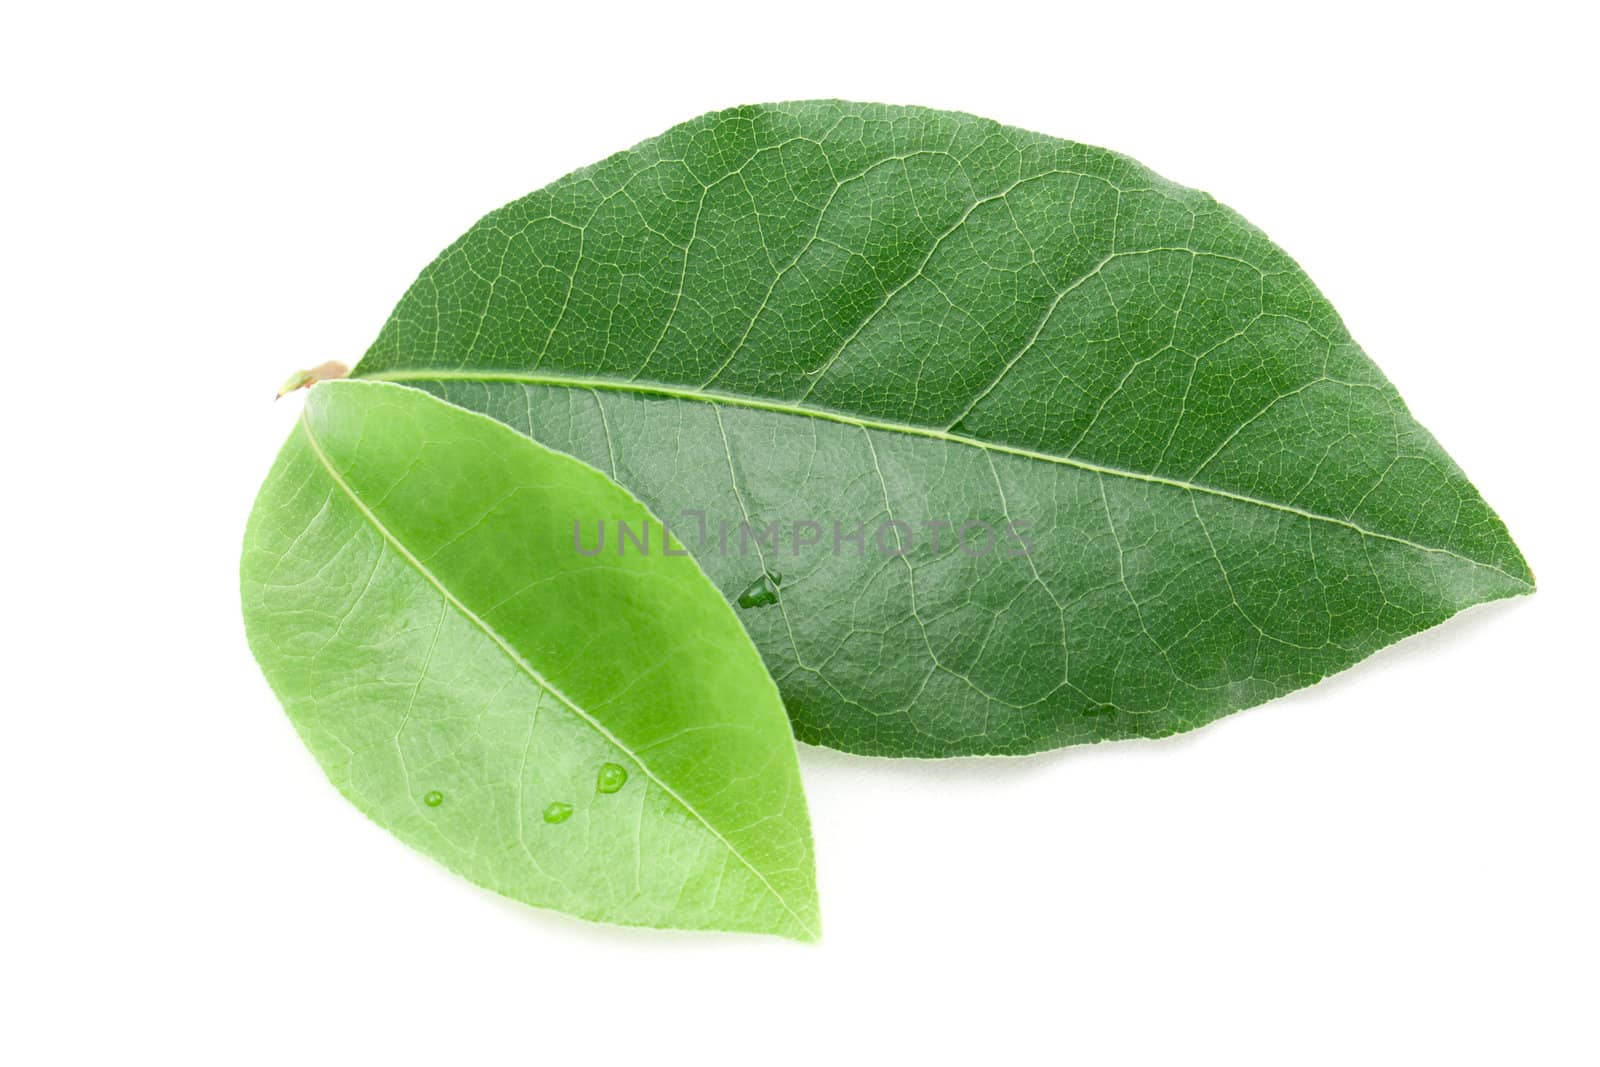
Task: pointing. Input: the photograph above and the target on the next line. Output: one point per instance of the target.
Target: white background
(1398, 866)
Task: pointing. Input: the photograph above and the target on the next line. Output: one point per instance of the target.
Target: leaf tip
(806, 927)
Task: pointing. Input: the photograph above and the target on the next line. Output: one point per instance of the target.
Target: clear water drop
(557, 811)
(611, 778)
(433, 799)
(761, 593)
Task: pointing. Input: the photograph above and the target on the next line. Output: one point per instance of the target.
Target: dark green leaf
(838, 313)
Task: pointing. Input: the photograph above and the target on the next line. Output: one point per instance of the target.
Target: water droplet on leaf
(762, 592)
(612, 777)
(556, 812)
(433, 799)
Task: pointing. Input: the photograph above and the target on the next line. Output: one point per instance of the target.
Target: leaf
(840, 313)
(594, 734)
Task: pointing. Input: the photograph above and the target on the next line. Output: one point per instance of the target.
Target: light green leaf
(828, 312)
(594, 734)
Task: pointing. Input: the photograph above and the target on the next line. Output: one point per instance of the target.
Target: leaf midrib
(888, 426)
(533, 674)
